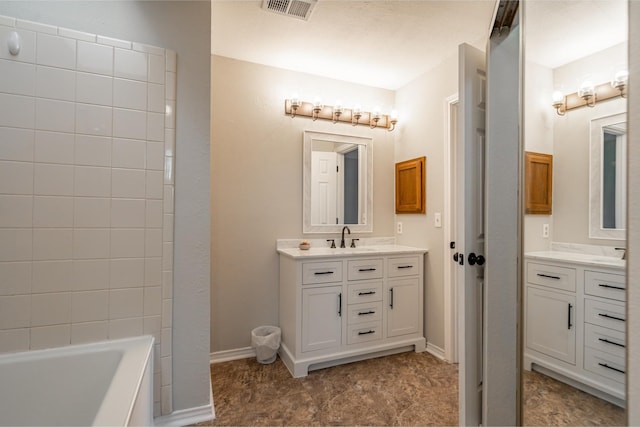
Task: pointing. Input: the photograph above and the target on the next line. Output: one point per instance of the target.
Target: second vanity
(342, 305)
(575, 320)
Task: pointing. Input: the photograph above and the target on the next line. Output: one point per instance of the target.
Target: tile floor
(407, 389)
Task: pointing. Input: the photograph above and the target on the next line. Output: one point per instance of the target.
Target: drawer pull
(603, 285)
(391, 299)
(604, 365)
(608, 316)
(367, 332)
(548, 276)
(364, 313)
(366, 293)
(569, 325)
(366, 269)
(405, 266)
(612, 342)
(320, 273)
(340, 304)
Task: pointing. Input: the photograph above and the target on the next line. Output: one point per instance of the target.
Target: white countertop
(579, 258)
(370, 250)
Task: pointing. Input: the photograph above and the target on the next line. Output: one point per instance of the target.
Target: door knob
(475, 259)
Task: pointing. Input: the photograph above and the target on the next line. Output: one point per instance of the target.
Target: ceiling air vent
(300, 9)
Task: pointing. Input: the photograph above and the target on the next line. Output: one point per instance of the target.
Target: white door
(470, 229)
(323, 188)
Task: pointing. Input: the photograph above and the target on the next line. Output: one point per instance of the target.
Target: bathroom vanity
(575, 320)
(342, 305)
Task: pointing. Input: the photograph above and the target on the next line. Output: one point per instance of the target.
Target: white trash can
(266, 341)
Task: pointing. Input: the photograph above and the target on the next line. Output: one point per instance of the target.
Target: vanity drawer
(606, 285)
(552, 276)
(362, 269)
(404, 266)
(365, 332)
(603, 339)
(606, 314)
(607, 365)
(365, 292)
(365, 312)
(321, 272)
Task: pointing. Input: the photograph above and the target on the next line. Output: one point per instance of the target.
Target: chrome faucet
(624, 252)
(342, 245)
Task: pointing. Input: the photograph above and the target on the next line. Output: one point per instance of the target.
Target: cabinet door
(321, 318)
(550, 323)
(403, 309)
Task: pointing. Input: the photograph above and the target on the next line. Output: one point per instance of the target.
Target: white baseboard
(235, 354)
(185, 417)
(436, 351)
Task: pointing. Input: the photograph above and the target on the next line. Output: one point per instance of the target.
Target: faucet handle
(333, 242)
(353, 242)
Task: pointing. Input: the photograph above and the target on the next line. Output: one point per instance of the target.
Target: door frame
(450, 287)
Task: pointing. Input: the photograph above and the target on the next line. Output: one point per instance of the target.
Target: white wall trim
(450, 352)
(189, 416)
(234, 354)
(436, 351)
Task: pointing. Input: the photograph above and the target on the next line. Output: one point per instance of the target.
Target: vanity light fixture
(337, 113)
(317, 107)
(393, 120)
(559, 103)
(356, 114)
(588, 94)
(295, 104)
(619, 82)
(375, 118)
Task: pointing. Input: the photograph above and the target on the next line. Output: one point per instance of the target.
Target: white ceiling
(388, 43)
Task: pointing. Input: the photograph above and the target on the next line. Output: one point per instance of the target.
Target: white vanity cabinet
(574, 321)
(338, 307)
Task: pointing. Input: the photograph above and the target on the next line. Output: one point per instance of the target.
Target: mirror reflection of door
(323, 185)
(573, 283)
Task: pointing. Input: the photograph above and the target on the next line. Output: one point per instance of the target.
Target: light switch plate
(437, 219)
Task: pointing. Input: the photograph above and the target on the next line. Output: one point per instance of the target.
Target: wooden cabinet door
(538, 178)
(550, 323)
(403, 307)
(410, 186)
(322, 318)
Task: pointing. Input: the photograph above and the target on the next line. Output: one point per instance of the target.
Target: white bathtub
(105, 383)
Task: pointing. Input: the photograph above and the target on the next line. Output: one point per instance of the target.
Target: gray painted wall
(184, 26)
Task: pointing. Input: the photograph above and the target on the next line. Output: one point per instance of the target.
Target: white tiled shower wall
(87, 139)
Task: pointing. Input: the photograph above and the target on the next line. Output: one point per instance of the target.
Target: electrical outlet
(545, 230)
(399, 230)
(437, 220)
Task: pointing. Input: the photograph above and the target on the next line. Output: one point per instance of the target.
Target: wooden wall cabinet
(410, 186)
(538, 183)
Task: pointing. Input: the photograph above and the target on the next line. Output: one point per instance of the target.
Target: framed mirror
(607, 190)
(338, 183)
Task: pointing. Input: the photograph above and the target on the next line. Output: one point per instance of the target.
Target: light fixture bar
(326, 113)
(602, 92)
